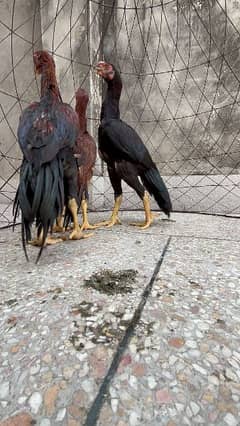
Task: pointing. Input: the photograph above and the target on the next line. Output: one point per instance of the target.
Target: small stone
(213, 380)
(35, 369)
(114, 404)
(226, 352)
(212, 358)
(152, 382)
(172, 359)
(195, 309)
(50, 397)
(138, 370)
(35, 402)
(23, 419)
(15, 349)
(133, 382)
(80, 398)
(199, 369)
(163, 396)
(4, 390)
(195, 408)
(191, 344)
(47, 358)
(72, 422)
(76, 411)
(61, 414)
(45, 422)
(133, 348)
(176, 342)
(208, 396)
(68, 373)
(125, 360)
(22, 399)
(231, 375)
(134, 419)
(87, 385)
(179, 407)
(230, 420)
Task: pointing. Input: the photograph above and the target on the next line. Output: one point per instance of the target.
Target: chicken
(126, 156)
(85, 153)
(47, 133)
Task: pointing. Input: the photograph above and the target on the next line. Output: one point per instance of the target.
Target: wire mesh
(179, 62)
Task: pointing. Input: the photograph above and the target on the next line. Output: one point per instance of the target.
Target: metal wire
(181, 89)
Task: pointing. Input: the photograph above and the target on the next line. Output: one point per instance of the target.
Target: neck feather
(49, 85)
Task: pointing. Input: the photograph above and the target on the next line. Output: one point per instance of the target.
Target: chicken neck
(49, 84)
(110, 106)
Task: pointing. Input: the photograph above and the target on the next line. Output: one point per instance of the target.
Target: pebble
(200, 369)
(22, 399)
(87, 385)
(191, 344)
(134, 419)
(35, 402)
(60, 415)
(194, 407)
(231, 375)
(4, 390)
(230, 420)
(114, 404)
(35, 369)
(151, 382)
(45, 422)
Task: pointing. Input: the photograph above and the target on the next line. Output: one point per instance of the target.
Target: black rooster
(126, 156)
(47, 133)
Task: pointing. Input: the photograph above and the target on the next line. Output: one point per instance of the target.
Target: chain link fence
(179, 61)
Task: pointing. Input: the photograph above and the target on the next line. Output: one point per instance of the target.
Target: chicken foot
(58, 227)
(77, 233)
(149, 216)
(114, 219)
(86, 225)
(48, 241)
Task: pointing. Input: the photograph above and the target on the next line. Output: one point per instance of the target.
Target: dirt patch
(111, 282)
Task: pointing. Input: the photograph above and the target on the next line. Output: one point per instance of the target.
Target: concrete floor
(156, 345)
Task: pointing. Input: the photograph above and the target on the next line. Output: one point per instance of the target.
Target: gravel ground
(128, 327)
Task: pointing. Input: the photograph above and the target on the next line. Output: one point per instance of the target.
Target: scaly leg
(86, 224)
(114, 220)
(49, 240)
(58, 227)
(148, 214)
(76, 234)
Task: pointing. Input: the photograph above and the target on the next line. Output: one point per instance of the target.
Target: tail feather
(156, 187)
(40, 197)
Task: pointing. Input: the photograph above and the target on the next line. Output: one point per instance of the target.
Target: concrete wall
(180, 71)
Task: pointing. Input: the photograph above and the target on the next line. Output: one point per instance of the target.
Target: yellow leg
(59, 223)
(86, 224)
(49, 241)
(76, 234)
(114, 220)
(148, 214)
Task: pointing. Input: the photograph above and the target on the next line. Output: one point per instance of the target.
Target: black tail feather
(156, 187)
(40, 197)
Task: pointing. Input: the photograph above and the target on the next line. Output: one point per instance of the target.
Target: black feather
(156, 187)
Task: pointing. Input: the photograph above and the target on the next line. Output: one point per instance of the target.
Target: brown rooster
(47, 133)
(85, 152)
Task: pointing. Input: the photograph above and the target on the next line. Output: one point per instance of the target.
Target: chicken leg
(86, 225)
(77, 233)
(48, 241)
(114, 219)
(148, 214)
